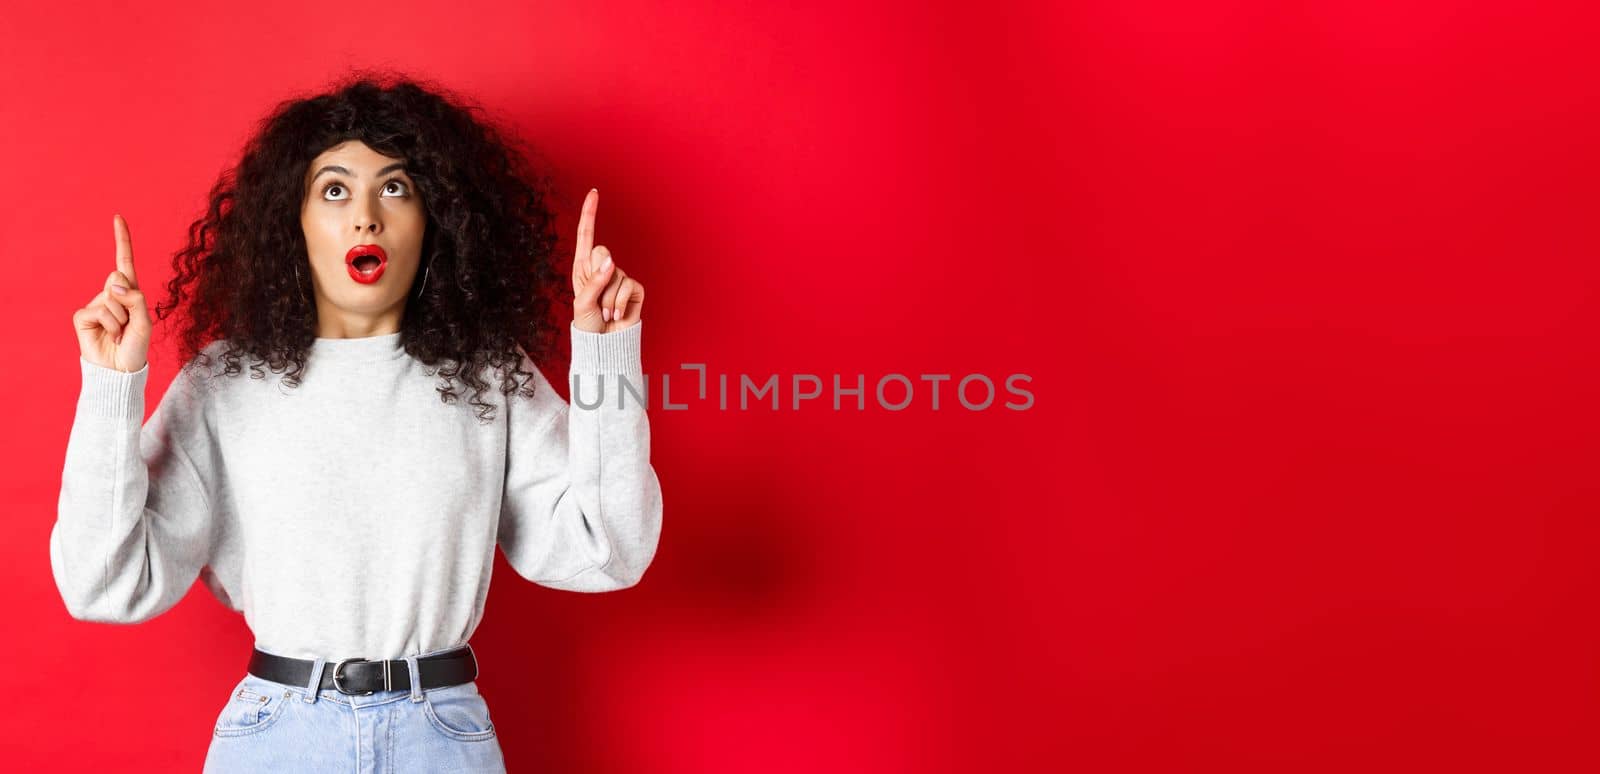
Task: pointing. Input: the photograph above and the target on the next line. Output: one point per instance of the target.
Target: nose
(366, 219)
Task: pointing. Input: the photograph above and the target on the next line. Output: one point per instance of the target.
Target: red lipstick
(366, 263)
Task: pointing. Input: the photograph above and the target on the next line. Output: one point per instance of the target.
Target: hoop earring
(424, 284)
(298, 286)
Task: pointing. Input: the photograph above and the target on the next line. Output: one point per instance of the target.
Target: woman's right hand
(114, 327)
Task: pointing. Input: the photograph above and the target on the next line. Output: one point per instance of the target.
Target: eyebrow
(341, 170)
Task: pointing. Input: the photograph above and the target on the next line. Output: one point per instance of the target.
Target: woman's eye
(394, 187)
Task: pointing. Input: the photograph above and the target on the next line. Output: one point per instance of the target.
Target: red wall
(1306, 297)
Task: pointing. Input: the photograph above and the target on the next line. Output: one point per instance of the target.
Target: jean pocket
(459, 712)
(255, 705)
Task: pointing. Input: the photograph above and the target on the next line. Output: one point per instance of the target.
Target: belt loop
(314, 685)
(416, 678)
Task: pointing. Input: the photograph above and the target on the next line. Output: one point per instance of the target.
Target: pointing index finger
(124, 249)
(591, 202)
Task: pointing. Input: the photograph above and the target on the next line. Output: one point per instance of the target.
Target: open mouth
(366, 263)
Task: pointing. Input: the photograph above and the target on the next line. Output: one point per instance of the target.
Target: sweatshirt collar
(357, 350)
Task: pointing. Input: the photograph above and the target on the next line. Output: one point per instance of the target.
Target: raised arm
(581, 509)
(133, 523)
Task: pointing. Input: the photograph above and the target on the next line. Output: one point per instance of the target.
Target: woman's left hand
(605, 299)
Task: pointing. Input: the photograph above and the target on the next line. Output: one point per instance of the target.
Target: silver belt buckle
(340, 665)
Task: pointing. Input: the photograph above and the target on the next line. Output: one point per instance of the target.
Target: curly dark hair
(489, 234)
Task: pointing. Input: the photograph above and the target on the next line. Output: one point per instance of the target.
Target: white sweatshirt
(355, 515)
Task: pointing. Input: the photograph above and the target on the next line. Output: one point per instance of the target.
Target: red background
(1306, 295)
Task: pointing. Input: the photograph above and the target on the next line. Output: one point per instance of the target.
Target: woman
(375, 245)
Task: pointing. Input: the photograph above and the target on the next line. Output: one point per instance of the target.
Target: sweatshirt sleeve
(133, 523)
(581, 510)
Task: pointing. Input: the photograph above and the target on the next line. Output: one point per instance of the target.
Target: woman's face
(354, 197)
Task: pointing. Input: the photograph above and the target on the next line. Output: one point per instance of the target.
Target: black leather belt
(360, 677)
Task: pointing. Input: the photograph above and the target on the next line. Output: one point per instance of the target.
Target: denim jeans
(267, 726)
